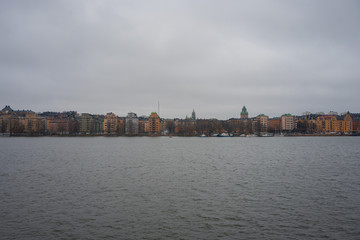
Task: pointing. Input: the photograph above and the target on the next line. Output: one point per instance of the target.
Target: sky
(120, 56)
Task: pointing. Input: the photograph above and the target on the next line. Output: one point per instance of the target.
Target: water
(180, 188)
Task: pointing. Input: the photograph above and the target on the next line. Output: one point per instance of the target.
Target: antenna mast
(159, 108)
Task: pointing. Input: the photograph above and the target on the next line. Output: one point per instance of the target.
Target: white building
(131, 124)
(287, 122)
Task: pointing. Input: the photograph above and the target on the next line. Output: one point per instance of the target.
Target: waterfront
(180, 188)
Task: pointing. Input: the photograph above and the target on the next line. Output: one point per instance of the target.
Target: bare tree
(16, 127)
(170, 126)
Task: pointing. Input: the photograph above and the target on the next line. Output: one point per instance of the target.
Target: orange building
(261, 123)
(154, 124)
(111, 124)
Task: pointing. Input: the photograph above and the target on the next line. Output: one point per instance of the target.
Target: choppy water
(180, 188)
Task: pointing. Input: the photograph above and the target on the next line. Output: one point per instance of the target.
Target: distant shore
(250, 136)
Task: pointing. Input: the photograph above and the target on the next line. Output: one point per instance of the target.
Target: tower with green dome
(244, 113)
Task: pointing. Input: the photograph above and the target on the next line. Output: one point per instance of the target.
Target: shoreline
(101, 135)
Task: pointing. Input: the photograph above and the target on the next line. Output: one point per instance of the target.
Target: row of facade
(26, 122)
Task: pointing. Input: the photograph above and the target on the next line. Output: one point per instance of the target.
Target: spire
(193, 115)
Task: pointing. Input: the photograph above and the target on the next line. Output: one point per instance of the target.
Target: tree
(16, 127)
(170, 126)
(249, 127)
(241, 127)
(4, 125)
(37, 127)
(190, 128)
(61, 128)
(74, 126)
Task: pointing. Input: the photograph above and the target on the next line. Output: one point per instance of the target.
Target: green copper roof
(244, 111)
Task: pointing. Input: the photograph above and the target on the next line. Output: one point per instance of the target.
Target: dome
(244, 111)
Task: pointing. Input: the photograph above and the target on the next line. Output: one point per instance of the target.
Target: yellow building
(5, 120)
(86, 123)
(347, 124)
(32, 123)
(334, 124)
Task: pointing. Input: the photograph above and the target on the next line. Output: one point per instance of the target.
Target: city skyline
(29, 123)
(274, 57)
(243, 113)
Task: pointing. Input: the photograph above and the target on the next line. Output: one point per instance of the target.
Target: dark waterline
(180, 188)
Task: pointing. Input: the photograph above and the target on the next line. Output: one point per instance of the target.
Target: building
(287, 122)
(185, 127)
(98, 124)
(86, 124)
(20, 122)
(356, 122)
(33, 124)
(121, 125)
(61, 125)
(131, 124)
(261, 123)
(244, 113)
(333, 124)
(143, 125)
(6, 110)
(5, 119)
(274, 125)
(193, 115)
(305, 124)
(154, 124)
(326, 123)
(111, 124)
(345, 123)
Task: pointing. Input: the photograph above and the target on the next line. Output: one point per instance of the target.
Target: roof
(7, 108)
(244, 111)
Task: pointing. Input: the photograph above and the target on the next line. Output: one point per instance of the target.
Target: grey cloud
(100, 56)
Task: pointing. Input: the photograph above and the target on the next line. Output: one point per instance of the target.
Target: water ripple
(179, 188)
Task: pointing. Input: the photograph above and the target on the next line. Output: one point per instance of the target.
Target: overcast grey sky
(117, 56)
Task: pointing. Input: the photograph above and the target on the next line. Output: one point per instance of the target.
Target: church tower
(193, 116)
(244, 113)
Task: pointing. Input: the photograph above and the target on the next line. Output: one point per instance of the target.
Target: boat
(263, 134)
(225, 135)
